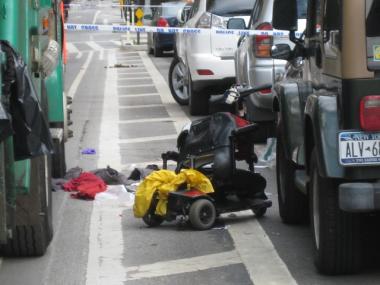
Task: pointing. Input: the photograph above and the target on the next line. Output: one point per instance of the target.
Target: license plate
(359, 148)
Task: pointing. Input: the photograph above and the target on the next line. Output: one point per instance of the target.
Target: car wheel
(58, 159)
(202, 214)
(177, 82)
(198, 102)
(336, 234)
(293, 205)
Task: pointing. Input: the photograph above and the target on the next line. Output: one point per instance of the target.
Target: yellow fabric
(166, 181)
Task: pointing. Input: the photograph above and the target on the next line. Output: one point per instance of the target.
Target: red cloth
(87, 185)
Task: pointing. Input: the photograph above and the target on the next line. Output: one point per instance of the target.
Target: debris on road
(88, 151)
(86, 186)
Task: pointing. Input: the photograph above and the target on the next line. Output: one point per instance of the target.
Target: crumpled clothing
(86, 186)
(166, 181)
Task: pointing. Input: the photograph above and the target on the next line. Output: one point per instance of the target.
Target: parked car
(164, 16)
(328, 156)
(207, 60)
(254, 64)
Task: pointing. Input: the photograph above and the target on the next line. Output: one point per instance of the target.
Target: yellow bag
(166, 181)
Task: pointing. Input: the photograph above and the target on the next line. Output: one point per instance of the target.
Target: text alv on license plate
(359, 148)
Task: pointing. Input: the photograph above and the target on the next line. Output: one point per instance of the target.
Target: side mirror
(183, 14)
(281, 51)
(236, 24)
(285, 15)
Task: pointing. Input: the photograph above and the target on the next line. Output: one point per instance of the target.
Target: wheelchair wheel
(202, 214)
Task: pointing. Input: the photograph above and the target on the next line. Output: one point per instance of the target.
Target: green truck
(31, 31)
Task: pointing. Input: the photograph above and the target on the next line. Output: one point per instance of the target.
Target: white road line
(264, 265)
(137, 71)
(96, 17)
(173, 109)
(94, 45)
(74, 86)
(141, 106)
(105, 258)
(101, 54)
(128, 57)
(148, 139)
(132, 86)
(181, 266)
(138, 95)
(71, 48)
(148, 120)
(133, 78)
(143, 164)
(130, 61)
(79, 55)
(118, 43)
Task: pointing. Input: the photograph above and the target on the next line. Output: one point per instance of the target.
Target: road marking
(181, 266)
(148, 139)
(128, 57)
(71, 48)
(138, 95)
(118, 43)
(133, 78)
(138, 85)
(141, 106)
(96, 17)
(74, 86)
(105, 258)
(173, 109)
(131, 61)
(145, 163)
(101, 54)
(169, 120)
(264, 265)
(136, 71)
(94, 45)
(79, 55)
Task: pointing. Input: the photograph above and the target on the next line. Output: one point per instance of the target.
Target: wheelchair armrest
(245, 130)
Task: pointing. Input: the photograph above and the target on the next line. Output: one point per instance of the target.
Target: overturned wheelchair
(212, 146)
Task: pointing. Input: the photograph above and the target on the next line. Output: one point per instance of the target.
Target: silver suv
(253, 62)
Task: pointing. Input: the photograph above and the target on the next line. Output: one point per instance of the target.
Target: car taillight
(162, 22)
(204, 21)
(265, 91)
(263, 43)
(205, 72)
(370, 113)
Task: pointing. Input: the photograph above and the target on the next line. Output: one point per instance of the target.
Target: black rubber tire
(33, 228)
(336, 234)
(153, 220)
(198, 101)
(179, 100)
(202, 214)
(293, 205)
(58, 159)
(259, 212)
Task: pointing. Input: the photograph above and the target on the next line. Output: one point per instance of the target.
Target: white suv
(204, 64)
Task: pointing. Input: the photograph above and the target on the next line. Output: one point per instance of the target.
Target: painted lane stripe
(71, 48)
(101, 54)
(94, 45)
(132, 86)
(138, 95)
(96, 16)
(74, 86)
(168, 120)
(136, 71)
(173, 109)
(143, 164)
(180, 266)
(264, 265)
(79, 55)
(133, 78)
(141, 106)
(148, 139)
(118, 43)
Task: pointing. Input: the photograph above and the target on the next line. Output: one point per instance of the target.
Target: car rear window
(373, 18)
(230, 7)
(170, 9)
(302, 9)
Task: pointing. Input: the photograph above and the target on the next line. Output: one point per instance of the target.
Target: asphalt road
(128, 116)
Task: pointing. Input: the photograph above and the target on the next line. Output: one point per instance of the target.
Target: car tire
(59, 159)
(202, 214)
(336, 234)
(198, 101)
(33, 226)
(177, 82)
(293, 205)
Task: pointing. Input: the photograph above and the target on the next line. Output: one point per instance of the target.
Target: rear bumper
(218, 86)
(359, 197)
(165, 41)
